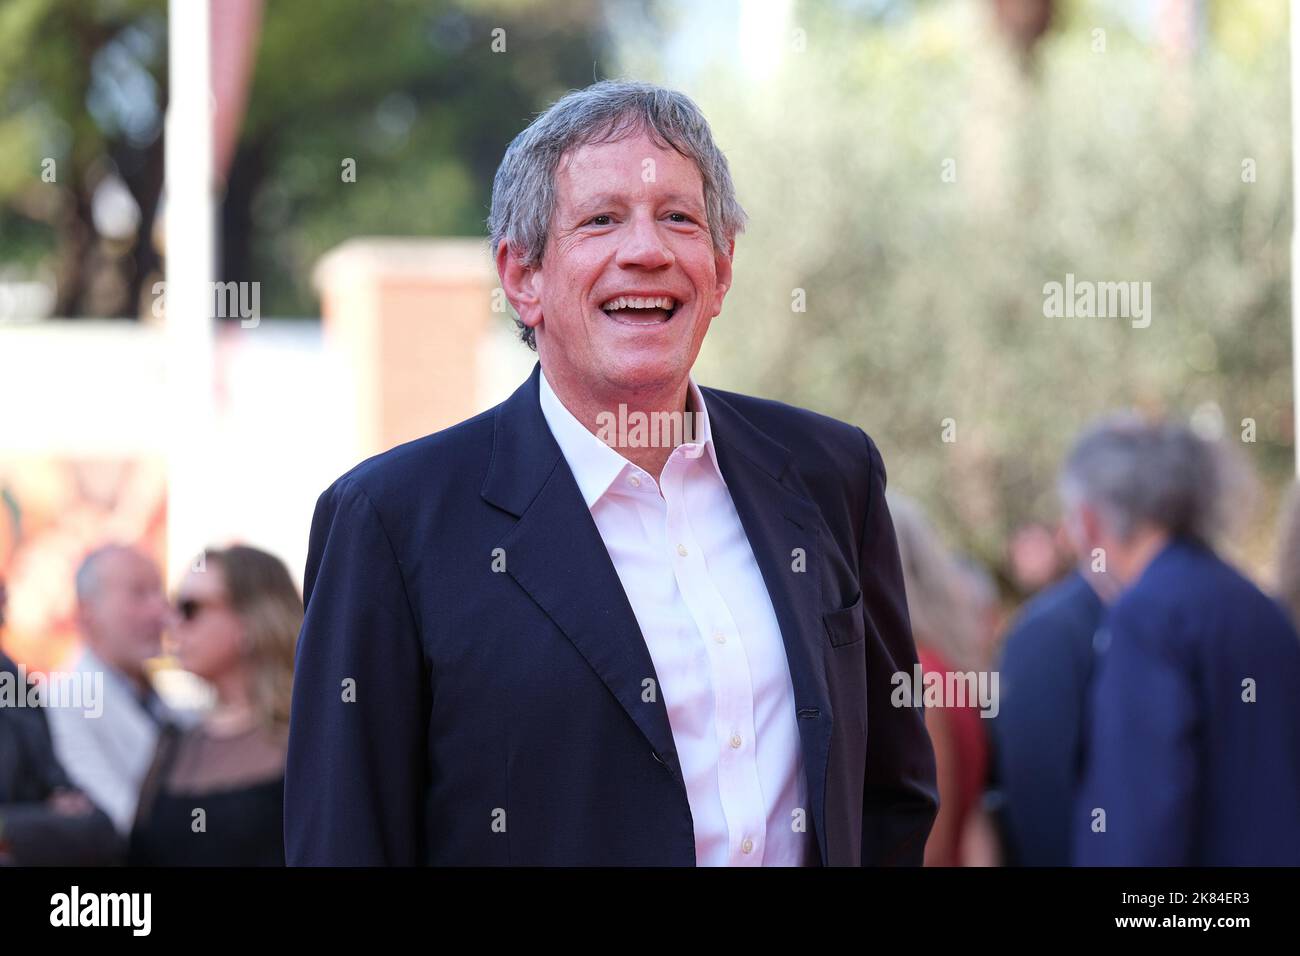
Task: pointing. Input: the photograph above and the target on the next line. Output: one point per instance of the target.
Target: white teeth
(637, 302)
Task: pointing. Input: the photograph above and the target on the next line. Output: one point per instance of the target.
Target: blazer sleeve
(355, 773)
(1141, 767)
(38, 835)
(34, 832)
(901, 796)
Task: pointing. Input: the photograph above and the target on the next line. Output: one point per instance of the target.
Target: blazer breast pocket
(845, 626)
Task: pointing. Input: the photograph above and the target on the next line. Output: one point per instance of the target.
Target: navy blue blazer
(469, 685)
(1038, 734)
(1188, 770)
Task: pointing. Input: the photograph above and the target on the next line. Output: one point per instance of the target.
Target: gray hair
(1136, 472)
(523, 190)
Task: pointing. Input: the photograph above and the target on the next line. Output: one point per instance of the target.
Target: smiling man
(531, 640)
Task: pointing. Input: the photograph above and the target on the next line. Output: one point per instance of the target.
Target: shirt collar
(594, 464)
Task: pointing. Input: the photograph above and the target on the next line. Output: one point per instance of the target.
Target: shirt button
(735, 741)
(747, 846)
(634, 481)
(681, 549)
(719, 637)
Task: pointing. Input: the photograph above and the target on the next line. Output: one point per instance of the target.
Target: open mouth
(641, 310)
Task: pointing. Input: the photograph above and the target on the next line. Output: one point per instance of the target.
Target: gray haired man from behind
(1193, 739)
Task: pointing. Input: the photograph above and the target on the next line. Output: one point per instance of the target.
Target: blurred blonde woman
(947, 630)
(215, 794)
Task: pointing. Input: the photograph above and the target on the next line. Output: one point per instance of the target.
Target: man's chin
(646, 372)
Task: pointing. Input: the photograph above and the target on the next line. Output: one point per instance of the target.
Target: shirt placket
(733, 697)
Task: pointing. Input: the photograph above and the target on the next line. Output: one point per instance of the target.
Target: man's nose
(643, 244)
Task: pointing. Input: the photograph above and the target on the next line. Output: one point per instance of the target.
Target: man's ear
(521, 284)
(722, 268)
(1093, 527)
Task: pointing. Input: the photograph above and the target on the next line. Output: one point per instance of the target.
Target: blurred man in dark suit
(44, 820)
(1038, 734)
(1193, 755)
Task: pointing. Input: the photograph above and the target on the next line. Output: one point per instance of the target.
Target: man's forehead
(616, 168)
(128, 565)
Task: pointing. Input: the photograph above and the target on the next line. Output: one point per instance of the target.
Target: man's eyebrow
(681, 199)
(605, 200)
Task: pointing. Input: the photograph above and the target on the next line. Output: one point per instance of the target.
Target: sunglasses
(189, 608)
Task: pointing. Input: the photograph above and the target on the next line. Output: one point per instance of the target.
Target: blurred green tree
(82, 99)
(420, 96)
(916, 188)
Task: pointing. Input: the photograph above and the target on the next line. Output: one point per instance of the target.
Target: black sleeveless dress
(223, 825)
(241, 827)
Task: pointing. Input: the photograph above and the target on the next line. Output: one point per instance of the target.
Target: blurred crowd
(1147, 702)
(1144, 704)
(105, 772)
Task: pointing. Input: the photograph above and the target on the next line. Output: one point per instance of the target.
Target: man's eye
(681, 217)
(593, 220)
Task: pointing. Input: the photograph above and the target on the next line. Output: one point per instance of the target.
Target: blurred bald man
(121, 613)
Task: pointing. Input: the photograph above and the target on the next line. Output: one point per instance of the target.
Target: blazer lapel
(782, 527)
(557, 556)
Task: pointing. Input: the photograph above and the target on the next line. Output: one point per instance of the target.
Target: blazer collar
(738, 433)
(524, 452)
